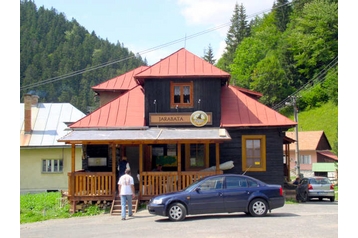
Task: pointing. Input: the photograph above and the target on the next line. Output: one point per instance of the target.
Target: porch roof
(147, 135)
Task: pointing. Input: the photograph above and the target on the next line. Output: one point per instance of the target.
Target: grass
(323, 118)
(45, 206)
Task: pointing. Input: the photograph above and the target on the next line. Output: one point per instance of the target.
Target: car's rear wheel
(332, 199)
(258, 207)
(304, 197)
(177, 212)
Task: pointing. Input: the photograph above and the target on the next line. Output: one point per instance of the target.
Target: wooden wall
(274, 154)
(206, 89)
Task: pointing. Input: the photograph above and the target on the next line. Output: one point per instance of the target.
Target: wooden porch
(101, 186)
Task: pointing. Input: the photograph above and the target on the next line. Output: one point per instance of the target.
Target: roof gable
(122, 82)
(311, 140)
(238, 110)
(182, 64)
(48, 123)
(125, 111)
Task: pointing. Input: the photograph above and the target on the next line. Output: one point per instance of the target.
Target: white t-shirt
(126, 181)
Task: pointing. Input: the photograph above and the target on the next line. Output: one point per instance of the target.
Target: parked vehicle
(219, 194)
(318, 187)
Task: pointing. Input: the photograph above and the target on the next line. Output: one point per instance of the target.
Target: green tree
(238, 31)
(55, 54)
(209, 55)
(282, 11)
(264, 37)
(313, 37)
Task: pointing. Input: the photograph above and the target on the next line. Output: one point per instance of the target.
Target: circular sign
(199, 118)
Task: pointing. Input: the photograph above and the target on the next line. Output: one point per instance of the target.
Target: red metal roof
(125, 111)
(121, 82)
(182, 63)
(239, 107)
(240, 110)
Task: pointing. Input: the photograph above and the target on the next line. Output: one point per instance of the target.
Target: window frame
(262, 166)
(188, 156)
(305, 159)
(182, 104)
(60, 166)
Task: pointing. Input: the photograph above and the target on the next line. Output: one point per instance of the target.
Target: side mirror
(197, 189)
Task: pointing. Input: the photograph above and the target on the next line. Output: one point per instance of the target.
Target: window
(52, 165)
(254, 153)
(197, 156)
(236, 182)
(212, 184)
(305, 159)
(181, 94)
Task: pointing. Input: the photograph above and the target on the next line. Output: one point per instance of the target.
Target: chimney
(34, 100)
(27, 105)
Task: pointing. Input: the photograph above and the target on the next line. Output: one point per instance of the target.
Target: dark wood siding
(274, 154)
(206, 89)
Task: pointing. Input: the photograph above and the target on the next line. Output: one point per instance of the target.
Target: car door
(207, 197)
(236, 194)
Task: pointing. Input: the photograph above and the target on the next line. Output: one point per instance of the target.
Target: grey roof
(151, 135)
(48, 123)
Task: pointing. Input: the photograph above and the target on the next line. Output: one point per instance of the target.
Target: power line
(319, 78)
(78, 72)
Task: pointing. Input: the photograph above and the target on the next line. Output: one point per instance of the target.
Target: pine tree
(209, 55)
(282, 11)
(238, 30)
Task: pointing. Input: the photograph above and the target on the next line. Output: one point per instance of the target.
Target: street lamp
(295, 110)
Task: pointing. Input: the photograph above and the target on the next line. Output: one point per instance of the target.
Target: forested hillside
(290, 52)
(60, 60)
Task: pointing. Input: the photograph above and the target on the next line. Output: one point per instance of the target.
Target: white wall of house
(33, 180)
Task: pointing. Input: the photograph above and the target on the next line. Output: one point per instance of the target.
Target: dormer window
(181, 94)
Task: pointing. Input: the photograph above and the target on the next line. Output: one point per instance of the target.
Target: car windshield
(191, 186)
(320, 181)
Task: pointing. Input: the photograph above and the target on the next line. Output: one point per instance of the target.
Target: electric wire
(78, 72)
(322, 75)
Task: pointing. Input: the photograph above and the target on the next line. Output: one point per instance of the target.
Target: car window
(236, 182)
(252, 183)
(211, 184)
(304, 181)
(323, 181)
(313, 181)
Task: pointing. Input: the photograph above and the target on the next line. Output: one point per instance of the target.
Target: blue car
(225, 193)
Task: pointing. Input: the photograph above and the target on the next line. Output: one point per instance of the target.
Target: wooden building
(182, 113)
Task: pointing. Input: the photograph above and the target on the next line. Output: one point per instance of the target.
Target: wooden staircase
(116, 208)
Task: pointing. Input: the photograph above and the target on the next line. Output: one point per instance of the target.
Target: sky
(157, 28)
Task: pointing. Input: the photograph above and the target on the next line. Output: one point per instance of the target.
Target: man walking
(127, 192)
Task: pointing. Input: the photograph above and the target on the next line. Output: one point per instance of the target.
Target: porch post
(140, 171)
(72, 178)
(114, 166)
(179, 165)
(217, 152)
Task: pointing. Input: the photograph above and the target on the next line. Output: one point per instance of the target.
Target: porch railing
(155, 183)
(91, 186)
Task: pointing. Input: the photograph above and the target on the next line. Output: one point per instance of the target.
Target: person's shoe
(123, 219)
(130, 215)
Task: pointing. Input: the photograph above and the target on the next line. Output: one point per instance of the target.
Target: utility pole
(295, 111)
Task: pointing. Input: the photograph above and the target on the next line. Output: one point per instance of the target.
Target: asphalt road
(311, 219)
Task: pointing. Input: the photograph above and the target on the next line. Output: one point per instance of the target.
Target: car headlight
(158, 201)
